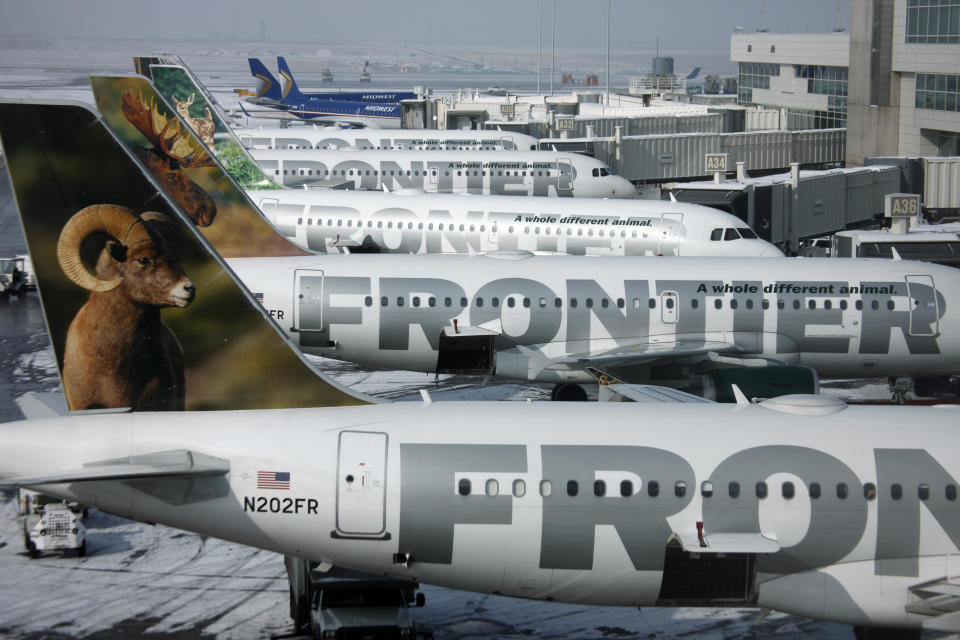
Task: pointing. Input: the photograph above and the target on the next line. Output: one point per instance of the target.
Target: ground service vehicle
(51, 524)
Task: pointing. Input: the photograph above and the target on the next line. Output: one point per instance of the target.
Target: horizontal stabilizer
(178, 463)
(727, 543)
(37, 405)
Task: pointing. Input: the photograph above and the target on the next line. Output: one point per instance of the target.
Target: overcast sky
(701, 25)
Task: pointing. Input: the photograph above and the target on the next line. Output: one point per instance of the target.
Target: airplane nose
(770, 251)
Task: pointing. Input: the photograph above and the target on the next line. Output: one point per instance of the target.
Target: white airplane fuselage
(408, 222)
(553, 316)
(843, 509)
(518, 173)
(421, 139)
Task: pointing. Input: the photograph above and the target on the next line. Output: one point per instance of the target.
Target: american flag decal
(259, 297)
(273, 480)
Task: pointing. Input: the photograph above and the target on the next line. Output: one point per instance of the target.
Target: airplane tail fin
(694, 73)
(186, 170)
(267, 85)
(142, 312)
(291, 92)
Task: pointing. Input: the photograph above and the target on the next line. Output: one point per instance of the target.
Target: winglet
(895, 253)
(739, 395)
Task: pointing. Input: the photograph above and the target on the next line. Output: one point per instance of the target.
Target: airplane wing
(180, 463)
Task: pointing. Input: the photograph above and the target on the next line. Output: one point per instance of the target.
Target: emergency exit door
(924, 311)
(361, 483)
(308, 308)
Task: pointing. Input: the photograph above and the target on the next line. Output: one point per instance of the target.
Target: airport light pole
(553, 48)
(608, 51)
(539, 43)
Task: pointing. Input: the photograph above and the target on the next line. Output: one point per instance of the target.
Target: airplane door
(924, 311)
(434, 175)
(361, 483)
(494, 236)
(668, 241)
(669, 303)
(564, 175)
(269, 207)
(308, 305)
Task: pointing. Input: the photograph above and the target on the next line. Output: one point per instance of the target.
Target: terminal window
(933, 21)
(938, 91)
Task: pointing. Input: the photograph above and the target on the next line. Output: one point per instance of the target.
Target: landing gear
(568, 393)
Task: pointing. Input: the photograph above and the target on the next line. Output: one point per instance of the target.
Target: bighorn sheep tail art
(118, 352)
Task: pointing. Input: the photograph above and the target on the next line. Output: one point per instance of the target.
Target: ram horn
(113, 220)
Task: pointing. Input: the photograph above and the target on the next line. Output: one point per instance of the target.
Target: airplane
(683, 322)
(539, 173)
(293, 94)
(426, 139)
(361, 221)
(269, 91)
(838, 513)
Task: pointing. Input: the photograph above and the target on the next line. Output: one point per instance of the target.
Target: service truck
(51, 524)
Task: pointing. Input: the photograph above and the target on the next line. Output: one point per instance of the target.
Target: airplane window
(626, 488)
(569, 232)
(368, 301)
(463, 302)
(765, 304)
(368, 172)
(420, 226)
(859, 305)
(461, 227)
(511, 302)
(349, 223)
(746, 232)
(379, 224)
(479, 302)
(733, 489)
(653, 488)
(599, 488)
(604, 303)
(430, 226)
(383, 301)
(390, 225)
(525, 174)
(493, 229)
(896, 491)
(440, 227)
(459, 173)
(869, 490)
(537, 231)
(499, 173)
(446, 173)
(399, 301)
(447, 301)
(339, 223)
(814, 490)
(495, 301)
(416, 301)
(694, 303)
(811, 304)
(787, 490)
(950, 492)
(526, 229)
(596, 172)
(621, 303)
(761, 490)
(573, 303)
(472, 228)
(706, 489)
(519, 488)
(510, 229)
(545, 488)
(573, 488)
(730, 234)
(432, 301)
(633, 234)
(733, 303)
(526, 303)
(669, 303)
(842, 491)
(890, 305)
(310, 221)
(779, 304)
(579, 232)
(652, 303)
(463, 487)
(718, 304)
(923, 492)
(843, 305)
(299, 221)
(827, 304)
(874, 305)
(749, 303)
(590, 233)
(276, 172)
(680, 488)
(351, 172)
(493, 487)
(796, 304)
(589, 303)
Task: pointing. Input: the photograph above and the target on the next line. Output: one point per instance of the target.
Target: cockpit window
(599, 172)
(731, 234)
(746, 232)
(716, 234)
